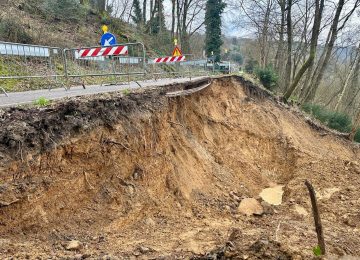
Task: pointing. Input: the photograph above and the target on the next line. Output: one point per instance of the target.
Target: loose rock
(268, 209)
(272, 195)
(144, 249)
(250, 206)
(74, 245)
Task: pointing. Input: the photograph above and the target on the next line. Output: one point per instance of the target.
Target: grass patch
(126, 92)
(42, 102)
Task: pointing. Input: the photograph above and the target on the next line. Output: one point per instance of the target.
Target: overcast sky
(229, 28)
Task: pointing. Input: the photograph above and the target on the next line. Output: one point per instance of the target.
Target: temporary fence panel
(178, 66)
(118, 60)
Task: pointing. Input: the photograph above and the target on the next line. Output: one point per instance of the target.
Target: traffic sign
(177, 52)
(108, 39)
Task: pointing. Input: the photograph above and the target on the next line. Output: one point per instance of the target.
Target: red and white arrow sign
(103, 51)
(169, 59)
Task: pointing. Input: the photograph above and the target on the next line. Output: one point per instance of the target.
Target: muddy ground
(143, 176)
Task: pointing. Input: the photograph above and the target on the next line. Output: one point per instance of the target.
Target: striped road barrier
(102, 51)
(169, 59)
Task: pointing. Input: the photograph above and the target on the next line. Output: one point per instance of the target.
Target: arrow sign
(108, 42)
(108, 39)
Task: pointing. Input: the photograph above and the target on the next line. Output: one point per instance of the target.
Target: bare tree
(324, 60)
(319, 7)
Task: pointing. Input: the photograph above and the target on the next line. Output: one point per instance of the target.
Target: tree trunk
(353, 91)
(101, 5)
(280, 51)
(289, 45)
(355, 126)
(313, 45)
(144, 11)
(329, 48)
(264, 35)
(173, 2)
(348, 78)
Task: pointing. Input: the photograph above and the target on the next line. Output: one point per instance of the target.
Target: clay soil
(143, 176)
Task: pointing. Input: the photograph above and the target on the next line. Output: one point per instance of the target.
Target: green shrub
(357, 136)
(68, 10)
(317, 111)
(250, 65)
(237, 57)
(267, 77)
(340, 122)
(335, 120)
(12, 31)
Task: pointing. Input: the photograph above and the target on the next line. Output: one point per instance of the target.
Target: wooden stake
(315, 209)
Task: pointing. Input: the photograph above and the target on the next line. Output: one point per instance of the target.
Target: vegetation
(251, 65)
(312, 69)
(137, 17)
(42, 102)
(317, 251)
(213, 41)
(357, 136)
(335, 120)
(69, 10)
(267, 77)
(126, 92)
(238, 58)
(12, 31)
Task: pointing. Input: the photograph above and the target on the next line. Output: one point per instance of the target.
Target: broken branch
(317, 219)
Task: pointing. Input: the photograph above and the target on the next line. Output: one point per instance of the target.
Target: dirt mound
(153, 177)
(235, 248)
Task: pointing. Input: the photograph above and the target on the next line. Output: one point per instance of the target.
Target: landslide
(145, 176)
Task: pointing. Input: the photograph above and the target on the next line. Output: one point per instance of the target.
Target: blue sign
(108, 39)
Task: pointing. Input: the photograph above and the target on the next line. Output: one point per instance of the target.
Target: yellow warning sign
(177, 52)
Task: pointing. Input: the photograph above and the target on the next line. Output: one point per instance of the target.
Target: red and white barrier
(169, 59)
(103, 51)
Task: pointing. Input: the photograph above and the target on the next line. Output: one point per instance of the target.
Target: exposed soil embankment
(147, 176)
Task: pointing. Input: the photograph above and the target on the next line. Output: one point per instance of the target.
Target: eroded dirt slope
(144, 176)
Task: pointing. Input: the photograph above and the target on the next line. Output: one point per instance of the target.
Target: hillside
(30, 22)
(145, 176)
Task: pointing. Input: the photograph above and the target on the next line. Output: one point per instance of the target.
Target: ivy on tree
(213, 41)
(137, 17)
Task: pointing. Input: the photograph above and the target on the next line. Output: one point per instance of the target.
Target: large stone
(250, 206)
(272, 195)
(301, 210)
(74, 245)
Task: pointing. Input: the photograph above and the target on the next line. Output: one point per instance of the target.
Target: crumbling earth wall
(142, 175)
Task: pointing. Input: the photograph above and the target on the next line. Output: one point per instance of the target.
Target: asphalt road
(28, 97)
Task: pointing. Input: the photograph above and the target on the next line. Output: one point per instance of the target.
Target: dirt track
(145, 176)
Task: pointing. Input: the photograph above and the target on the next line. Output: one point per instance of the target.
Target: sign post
(107, 39)
(176, 52)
